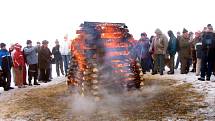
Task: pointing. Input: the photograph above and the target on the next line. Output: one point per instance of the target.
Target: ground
(175, 97)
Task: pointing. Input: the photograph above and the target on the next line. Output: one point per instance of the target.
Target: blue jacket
(31, 55)
(5, 60)
(172, 45)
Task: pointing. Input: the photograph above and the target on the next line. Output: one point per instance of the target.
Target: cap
(184, 30)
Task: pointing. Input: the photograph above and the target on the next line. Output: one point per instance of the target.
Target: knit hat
(210, 26)
(28, 42)
(2, 45)
(45, 42)
(184, 30)
(143, 34)
(17, 46)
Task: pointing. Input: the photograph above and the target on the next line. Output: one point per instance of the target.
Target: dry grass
(177, 102)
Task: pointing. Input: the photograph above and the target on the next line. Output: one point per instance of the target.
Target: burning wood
(101, 58)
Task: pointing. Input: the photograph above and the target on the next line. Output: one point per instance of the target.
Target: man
(193, 50)
(160, 47)
(171, 50)
(58, 58)
(177, 49)
(44, 57)
(208, 53)
(5, 66)
(184, 52)
(30, 53)
(65, 52)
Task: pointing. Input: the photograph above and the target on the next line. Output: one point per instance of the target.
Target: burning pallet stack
(101, 60)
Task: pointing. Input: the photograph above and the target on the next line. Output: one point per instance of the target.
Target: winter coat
(184, 48)
(18, 59)
(30, 54)
(142, 49)
(44, 58)
(172, 45)
(5, 60)
(198, 48)
(160, 43)
(209, 49)
(56, 53)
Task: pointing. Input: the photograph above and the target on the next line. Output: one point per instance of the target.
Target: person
(5, 66)
(177, 49)
(31, 56)
(198, 49)
(18, 64)
(44, 60)
(208, 52)
(160, 47)
(142, 51)
(58, 58)
(171, 49)
(65, 52)
(184, 52)
(193, 50)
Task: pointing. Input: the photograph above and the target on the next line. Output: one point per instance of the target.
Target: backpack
(207, 40)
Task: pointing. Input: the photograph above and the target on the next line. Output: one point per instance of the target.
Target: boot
(29, 83)
(35, 82)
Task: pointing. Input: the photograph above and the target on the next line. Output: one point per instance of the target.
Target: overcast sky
(50, 19)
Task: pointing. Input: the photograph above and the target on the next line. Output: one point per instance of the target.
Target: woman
(18, 64)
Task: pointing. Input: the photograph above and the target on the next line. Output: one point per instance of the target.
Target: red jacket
(18, 59)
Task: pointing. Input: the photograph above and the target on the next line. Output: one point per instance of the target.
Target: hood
(158, 31)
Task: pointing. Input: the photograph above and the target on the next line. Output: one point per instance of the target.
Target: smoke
(111, 106)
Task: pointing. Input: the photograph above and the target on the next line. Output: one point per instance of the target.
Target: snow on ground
(54, 81)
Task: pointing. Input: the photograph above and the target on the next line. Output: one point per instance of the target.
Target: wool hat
(143, 34)
(45, 42)
(28, 42)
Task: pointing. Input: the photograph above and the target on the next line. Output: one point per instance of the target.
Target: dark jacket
(198, 48)
(208, 44)
(56, 53)
(5, 60)
(44, 58)
(172, 45)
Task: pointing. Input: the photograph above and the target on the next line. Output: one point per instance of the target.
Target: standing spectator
(31, 56)
(5, 66)
(193, 50)
(160, 47)
(58, 58)
(171, 50)
(18, 64)
(208, 52)
(198, 48)
(142, 51)
(65, 52)
(38, 49)
(184, 52)
(44, 61)
(177, 49)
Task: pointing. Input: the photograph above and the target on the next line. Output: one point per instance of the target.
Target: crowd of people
(34, 62)
(196, 51)
(193, 50)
